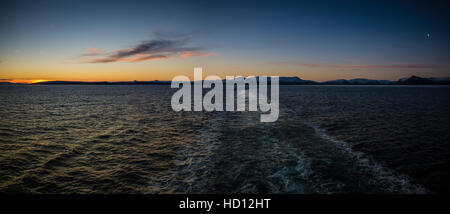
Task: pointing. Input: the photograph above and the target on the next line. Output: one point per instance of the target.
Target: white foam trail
(380, 172)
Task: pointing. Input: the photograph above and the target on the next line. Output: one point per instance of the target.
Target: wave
(387, 180)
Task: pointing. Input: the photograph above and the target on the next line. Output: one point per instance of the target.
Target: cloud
(136, 58)
(352, 66)
(93, 52)
(188, 54)
(156, 49)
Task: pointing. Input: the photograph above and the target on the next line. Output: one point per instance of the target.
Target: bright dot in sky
(428, 35)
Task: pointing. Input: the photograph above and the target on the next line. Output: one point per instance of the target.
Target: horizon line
(43, 81)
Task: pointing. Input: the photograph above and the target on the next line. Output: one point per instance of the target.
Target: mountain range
(413, 80)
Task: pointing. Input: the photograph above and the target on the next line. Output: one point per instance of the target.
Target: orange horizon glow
(28, 81)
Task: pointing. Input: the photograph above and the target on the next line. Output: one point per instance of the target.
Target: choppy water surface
(127, 139)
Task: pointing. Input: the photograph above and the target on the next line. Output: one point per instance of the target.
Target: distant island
(413, 80)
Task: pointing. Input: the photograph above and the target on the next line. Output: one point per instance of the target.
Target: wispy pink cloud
(146, 51)
(92, 51)
(189, 54)
(136, 58)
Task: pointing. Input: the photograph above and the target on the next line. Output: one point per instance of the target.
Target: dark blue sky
(317, 40)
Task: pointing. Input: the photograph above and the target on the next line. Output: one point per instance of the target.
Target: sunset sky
(157, 40)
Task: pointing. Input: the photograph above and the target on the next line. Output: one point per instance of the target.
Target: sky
(157, 40)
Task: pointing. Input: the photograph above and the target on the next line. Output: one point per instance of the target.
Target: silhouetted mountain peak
(416, 80)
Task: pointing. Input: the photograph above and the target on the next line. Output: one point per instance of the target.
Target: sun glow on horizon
(29, 81)
(38, 81)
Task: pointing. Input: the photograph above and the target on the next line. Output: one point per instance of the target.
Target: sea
(127, 139)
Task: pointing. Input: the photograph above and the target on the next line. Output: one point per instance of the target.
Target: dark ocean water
(127, 139)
